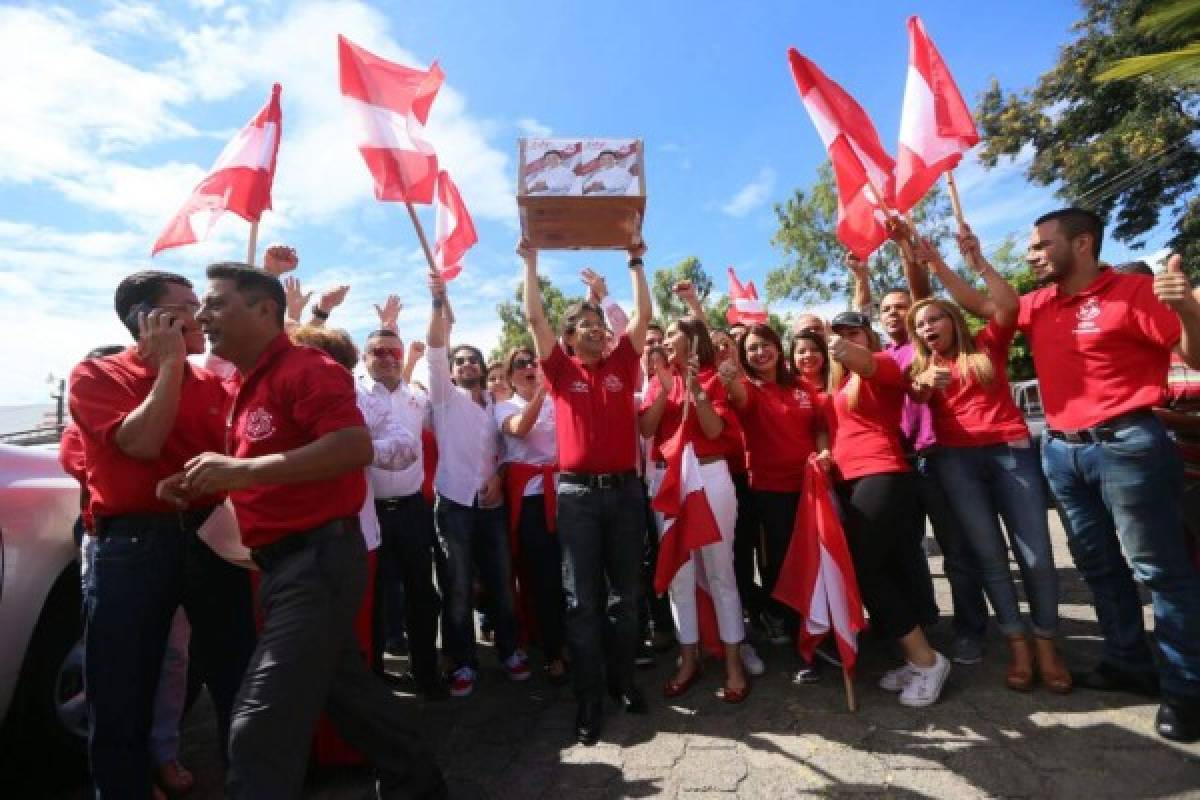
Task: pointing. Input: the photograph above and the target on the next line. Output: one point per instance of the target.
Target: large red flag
(240, 181)
(859, 158)
(455, 231)
(817, 575)
(936, 126)
(391, 105)
(744, 306)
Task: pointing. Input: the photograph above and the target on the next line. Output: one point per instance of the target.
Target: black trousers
(406, 551)
(308, 661)
(880, 510)
(746, 534)
(541, 556)
(777, 513)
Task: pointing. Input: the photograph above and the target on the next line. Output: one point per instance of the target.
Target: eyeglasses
(380, 352)
(462, 361)
(182, 308)
(523, 363)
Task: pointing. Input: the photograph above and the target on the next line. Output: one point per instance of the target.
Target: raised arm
(861, 301)
(1172, 288)
(686, 291)
(853, 357)
(437, 333)
(642, 311)
(618, 320)
(535, 312)
(963, 293)
(416, 351)
(1004, 298)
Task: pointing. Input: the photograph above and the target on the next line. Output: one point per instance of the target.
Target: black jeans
(308, 661)
(601, 531)
(146, 566)
(653, 609)
(541, 556)
(880, 510)
(777, 512)
(406, 556)
(745, 547)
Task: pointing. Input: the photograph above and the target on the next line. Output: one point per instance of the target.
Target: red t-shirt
(103, 392)
(727, 443)
(966, 414)
(73, 460)
(293, 396)
(868, 438)
(1102, 352)
(781, 426)
(594, 409)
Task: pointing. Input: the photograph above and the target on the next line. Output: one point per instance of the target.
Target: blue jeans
(145, 567)
(601, 533)
(475, 539)
(997, 481)
(1120, 503)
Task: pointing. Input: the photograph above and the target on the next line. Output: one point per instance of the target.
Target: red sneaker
(462, 683)
(517, 666)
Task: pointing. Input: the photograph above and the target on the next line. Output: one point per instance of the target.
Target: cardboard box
(577, 194)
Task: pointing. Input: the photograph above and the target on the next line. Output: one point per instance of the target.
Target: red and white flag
(240, 181)
(936, 126)
(744, 306)
(817, 575)
(455, 231)
(859, 158)
(391, 106)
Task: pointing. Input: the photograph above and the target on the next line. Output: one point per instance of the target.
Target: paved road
(981, 740)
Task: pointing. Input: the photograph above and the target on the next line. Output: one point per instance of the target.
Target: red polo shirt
(781, 425)
(966, 414)
(594, 409)
(868, 437)
(1102, 352)
(727, 444)
(293, 396)
(103, 392)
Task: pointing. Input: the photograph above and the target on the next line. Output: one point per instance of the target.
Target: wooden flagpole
(848, 682)
(955, 203)
(904, 244)
(412, 214)
(252, 249)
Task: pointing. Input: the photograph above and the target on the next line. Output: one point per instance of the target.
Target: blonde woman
(989, 468)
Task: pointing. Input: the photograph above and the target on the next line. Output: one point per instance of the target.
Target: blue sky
(115, 109)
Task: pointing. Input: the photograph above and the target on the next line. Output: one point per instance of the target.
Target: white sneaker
(750, 660)
(925, 685)
(894, 680)
(517, 666)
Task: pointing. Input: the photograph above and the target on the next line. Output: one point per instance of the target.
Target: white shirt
(468, 443)
(614, 180)
(409, 408)
(395, 449)
(539, 446)
(558, 180)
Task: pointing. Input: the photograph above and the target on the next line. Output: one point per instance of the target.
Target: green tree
(1173, 20)
(669, 306)
(1122, 148)
(514, 326)
(812, 269)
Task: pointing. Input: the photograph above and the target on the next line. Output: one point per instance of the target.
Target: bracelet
(319, 313)
(636, 262)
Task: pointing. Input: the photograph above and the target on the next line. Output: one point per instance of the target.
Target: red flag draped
(817, 575)
(859, 158)
(688, 522)
(744, 306)
(240, 180)
(391, 104)
(936, 126)
(455, 230)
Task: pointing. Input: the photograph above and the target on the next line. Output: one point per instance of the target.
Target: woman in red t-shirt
(783, 426)
(878, 497)
(688, 393)
(990, 470)
(810, 358)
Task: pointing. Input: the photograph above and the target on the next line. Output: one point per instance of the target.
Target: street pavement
(788, 741)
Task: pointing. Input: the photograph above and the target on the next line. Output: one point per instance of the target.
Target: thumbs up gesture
(1172, 288)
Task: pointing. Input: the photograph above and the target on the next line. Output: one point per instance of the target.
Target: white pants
(716, 561)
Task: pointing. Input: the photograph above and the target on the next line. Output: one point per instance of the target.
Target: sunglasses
(523, 363)
(380, 352)
(462, 361)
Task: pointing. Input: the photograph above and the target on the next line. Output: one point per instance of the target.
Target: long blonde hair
(837, 372)
(970, 361)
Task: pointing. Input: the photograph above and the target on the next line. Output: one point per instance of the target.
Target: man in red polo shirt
(601, 505)
(141, 414)
(297, 446)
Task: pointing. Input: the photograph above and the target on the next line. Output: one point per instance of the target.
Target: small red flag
(455, 231)
(859, 159)
(240, 181)
(391, 105)
(936, 126)
(744, 306)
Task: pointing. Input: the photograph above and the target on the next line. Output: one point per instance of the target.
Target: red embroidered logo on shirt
(259, 425)
(802, 398)
(613, 383)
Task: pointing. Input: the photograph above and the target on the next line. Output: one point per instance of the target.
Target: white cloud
(531, 127)
(752, 195)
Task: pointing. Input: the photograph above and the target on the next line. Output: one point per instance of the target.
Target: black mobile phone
(131, 319)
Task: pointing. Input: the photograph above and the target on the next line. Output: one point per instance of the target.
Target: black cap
(850, 319)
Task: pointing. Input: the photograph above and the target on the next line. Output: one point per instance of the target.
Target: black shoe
(1107, 678)
(644, 658)
(1178, 719)
(631, 700)
(587, 722)
(433, 691)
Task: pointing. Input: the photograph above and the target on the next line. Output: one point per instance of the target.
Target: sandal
(734, 696)
(673, 688)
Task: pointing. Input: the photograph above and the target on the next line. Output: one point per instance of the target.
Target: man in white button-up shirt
(405, 519)
(472, 524)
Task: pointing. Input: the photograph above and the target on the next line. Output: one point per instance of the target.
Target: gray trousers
(308, 661)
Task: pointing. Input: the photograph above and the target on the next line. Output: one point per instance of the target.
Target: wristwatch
(636, 262)
(701, 395)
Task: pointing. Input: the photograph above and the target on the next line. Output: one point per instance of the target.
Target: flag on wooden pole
(454, 230)
(744, 306)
